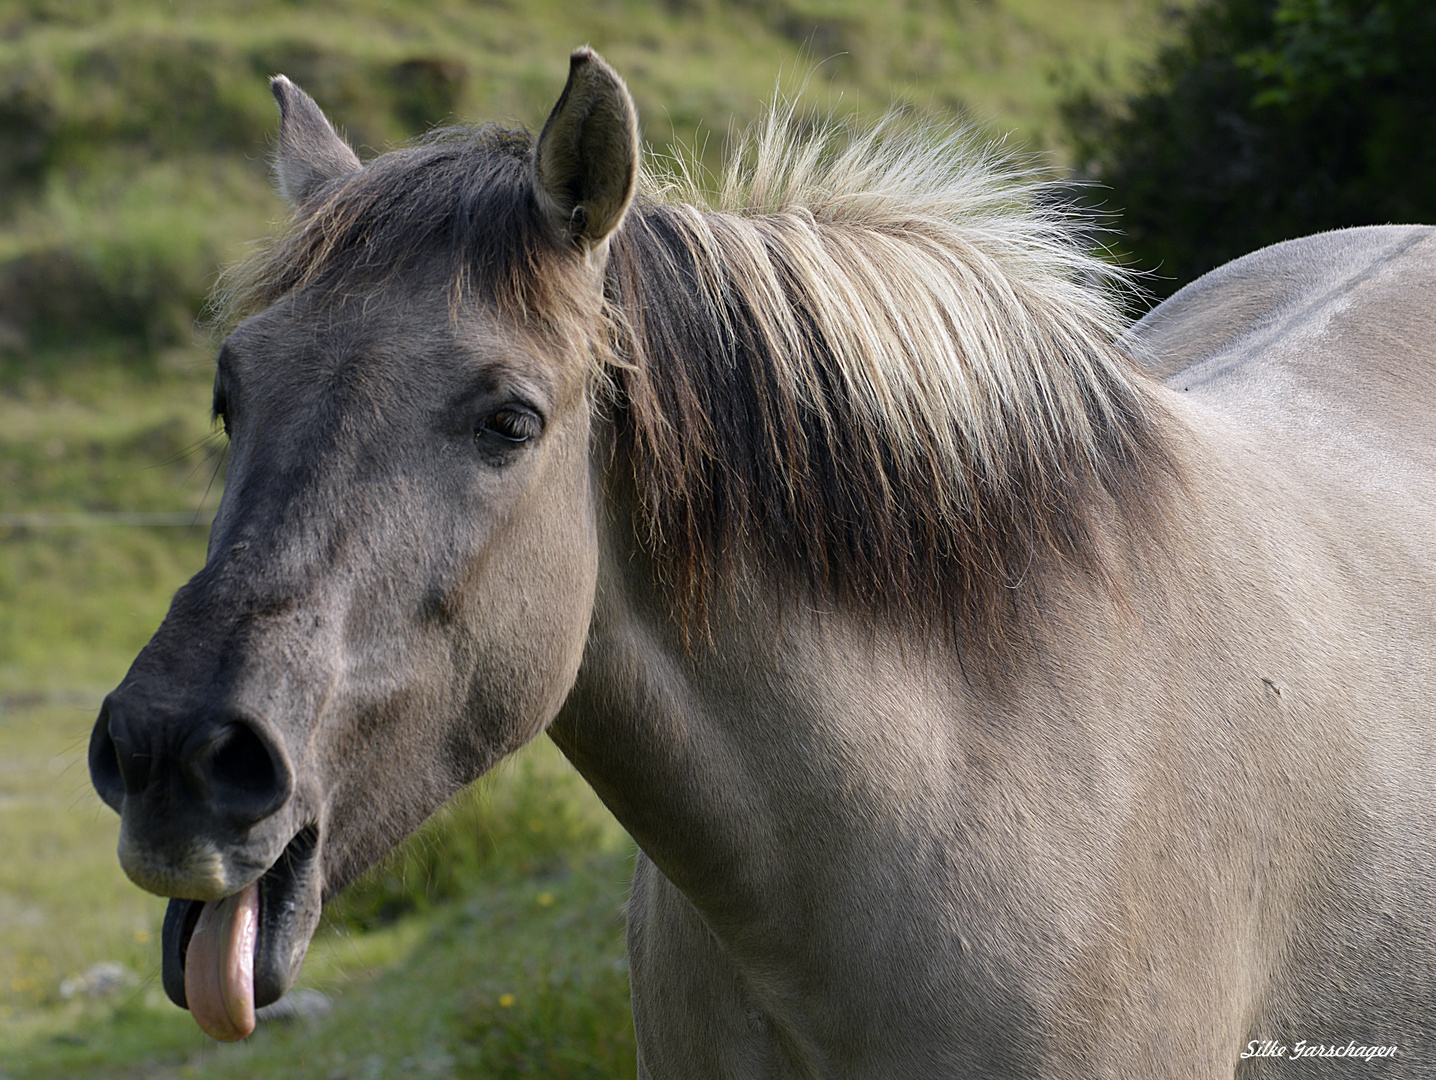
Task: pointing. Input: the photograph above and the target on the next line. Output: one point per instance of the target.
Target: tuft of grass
(561, 1013)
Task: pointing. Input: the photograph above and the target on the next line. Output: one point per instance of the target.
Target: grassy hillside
(133, 143)
(133, 136)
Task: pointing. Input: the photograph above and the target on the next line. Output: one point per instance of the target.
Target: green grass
(78, 602)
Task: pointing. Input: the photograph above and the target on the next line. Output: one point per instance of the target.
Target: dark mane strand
(461, 200)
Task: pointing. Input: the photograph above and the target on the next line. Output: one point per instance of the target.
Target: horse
(993, 687)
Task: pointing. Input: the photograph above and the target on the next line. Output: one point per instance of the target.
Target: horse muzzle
(209, 817)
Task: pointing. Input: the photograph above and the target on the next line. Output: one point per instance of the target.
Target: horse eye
(511, 424)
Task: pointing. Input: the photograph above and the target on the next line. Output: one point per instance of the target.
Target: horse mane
(881, 365)
(886, 363)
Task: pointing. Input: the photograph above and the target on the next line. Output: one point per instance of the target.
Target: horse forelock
(459, 203)
(885, 363)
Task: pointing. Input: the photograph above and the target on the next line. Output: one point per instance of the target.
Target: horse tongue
(219, 966)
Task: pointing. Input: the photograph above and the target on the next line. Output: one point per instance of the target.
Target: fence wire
(96, 518)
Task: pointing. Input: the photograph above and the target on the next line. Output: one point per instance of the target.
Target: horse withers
(992, 688)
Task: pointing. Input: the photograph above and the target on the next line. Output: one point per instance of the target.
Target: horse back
(1328, 337)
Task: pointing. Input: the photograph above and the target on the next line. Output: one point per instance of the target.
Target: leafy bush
(1268, 120)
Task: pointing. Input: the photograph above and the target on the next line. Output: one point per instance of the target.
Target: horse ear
(311, 153)
(586, 158)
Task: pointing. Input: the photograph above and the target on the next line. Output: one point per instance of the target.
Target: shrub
(532, 816)
(1267, 120)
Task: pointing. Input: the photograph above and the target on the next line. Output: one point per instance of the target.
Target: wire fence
(98, 518)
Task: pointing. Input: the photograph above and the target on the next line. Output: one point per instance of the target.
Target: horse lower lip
(180, 919)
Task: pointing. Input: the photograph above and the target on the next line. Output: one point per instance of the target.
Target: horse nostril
(245, 774)
(110, 772)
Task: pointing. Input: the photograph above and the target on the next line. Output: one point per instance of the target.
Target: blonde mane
(882, 359)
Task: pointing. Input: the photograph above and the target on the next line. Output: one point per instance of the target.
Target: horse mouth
(223, 959)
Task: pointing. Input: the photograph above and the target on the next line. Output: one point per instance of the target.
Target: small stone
(101, 980)
(300, 1005)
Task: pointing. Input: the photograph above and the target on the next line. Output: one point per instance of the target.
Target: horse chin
(289, 904)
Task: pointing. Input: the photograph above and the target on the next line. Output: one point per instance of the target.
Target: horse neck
(726, 751)
(786, 721)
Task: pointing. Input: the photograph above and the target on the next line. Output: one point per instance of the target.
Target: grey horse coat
(1205, 829)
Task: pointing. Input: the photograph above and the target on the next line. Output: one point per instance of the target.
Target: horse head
(401, 573)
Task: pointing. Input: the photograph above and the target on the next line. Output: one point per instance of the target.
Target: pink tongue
(219, 965)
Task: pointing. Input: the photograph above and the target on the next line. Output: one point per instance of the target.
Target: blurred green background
(134, 140)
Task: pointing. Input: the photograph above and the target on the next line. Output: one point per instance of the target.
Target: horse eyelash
(220, 453)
